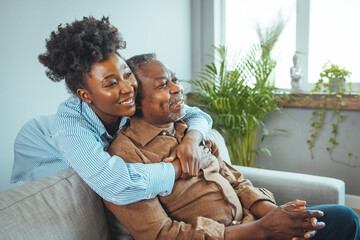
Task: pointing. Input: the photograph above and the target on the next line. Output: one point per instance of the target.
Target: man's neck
(170, 127)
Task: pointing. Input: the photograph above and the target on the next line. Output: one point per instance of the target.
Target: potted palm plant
(237, 91)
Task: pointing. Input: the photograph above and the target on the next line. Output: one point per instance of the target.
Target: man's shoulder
(122, 142)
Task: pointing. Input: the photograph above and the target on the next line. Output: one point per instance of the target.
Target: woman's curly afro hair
(73, 49)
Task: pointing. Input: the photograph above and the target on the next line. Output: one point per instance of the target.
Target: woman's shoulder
(72, 106)
(69, 113)
(75, 114)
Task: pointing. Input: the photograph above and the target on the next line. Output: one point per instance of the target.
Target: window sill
(352, 102)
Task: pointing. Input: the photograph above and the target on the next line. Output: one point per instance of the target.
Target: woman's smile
(128, 102)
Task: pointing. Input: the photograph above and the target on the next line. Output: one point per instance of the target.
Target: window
(241, 18)
(326, 30)
(334, 36)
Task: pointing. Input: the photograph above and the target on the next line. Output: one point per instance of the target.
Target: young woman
(85, 55)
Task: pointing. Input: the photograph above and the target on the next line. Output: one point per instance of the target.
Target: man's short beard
(176, 116)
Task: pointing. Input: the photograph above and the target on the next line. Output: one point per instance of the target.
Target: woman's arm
(192, 157)
(197, 120)
(110, 177)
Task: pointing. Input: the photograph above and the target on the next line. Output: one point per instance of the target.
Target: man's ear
(84, 95)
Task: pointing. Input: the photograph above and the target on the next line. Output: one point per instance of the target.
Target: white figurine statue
(295, 76)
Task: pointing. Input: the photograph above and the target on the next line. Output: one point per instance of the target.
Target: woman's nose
(126, 87)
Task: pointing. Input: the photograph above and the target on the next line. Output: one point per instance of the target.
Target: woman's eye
(112, 83)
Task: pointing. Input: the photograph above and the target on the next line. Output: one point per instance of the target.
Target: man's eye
(128, 74)
(163, 84)
(175, 80)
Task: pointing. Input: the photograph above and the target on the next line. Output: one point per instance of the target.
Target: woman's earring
(90, 102)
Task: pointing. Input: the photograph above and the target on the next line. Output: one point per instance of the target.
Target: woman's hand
(192, 156)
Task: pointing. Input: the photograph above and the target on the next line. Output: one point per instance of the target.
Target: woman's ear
(84, 95)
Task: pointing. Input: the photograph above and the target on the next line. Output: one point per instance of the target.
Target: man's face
(162, 99)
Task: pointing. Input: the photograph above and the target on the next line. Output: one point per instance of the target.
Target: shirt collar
(143, 132)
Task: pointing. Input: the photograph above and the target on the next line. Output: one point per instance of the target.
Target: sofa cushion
(60, 206)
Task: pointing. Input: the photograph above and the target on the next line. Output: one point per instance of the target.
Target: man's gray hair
(134, 64)
(135, 61)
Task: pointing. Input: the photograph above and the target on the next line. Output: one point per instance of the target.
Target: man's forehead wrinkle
(156, 69)
(160, 78)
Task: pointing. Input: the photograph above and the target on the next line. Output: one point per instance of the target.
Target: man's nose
(175, 88)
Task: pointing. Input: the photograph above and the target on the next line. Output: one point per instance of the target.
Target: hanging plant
(332, 86)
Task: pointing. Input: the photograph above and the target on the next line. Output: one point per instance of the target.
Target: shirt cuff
(161, 179)
(250, 195)
(208, 229)
(200, 125)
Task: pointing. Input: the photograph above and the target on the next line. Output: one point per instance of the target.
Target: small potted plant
(336, 78)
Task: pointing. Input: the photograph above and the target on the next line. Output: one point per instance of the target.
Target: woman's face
(110, 89)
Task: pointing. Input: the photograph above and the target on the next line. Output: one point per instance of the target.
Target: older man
(217, 204)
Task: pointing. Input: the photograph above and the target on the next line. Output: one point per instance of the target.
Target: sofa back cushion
(60, 206)
(220, 142)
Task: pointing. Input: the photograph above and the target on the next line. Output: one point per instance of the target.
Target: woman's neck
(111, 123)
(112, 128)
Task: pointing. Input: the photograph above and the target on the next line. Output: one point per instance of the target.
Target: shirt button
(149, 196)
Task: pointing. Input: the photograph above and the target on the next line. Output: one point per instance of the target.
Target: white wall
(159, 26)
(291, 153)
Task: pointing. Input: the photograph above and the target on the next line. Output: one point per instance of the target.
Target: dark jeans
(342, 223)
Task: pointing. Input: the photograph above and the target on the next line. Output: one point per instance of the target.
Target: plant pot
(336, 84)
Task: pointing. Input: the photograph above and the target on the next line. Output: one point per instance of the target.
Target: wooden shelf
(352, 102)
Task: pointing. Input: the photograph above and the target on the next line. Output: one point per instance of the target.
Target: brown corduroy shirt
(198, 207)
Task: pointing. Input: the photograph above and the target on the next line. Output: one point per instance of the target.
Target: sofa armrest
(288, 186)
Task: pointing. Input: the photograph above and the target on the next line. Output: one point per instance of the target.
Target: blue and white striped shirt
(78, 136)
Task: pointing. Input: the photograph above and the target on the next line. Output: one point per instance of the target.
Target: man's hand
(192, 157)
(261, 208)
(301, 206)
(282, 223)
(288, 220)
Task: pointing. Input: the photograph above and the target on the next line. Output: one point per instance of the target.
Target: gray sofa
(62, 206)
